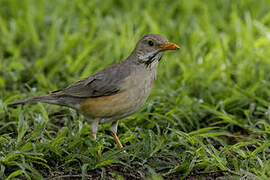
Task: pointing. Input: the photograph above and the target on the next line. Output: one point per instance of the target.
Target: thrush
(116, 91)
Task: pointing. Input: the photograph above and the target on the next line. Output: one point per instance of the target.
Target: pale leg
(94, 128)
(113, 129)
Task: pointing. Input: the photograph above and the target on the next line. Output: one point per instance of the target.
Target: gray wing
(105, 82)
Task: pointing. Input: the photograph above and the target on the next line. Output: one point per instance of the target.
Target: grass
(207, 116)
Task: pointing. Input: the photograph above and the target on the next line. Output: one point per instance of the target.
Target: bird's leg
(113, 129)
(94, 128)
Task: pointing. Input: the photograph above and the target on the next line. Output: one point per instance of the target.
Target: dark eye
(150, 43)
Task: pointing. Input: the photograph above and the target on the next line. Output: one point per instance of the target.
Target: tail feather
(50, 99)
(69, 101)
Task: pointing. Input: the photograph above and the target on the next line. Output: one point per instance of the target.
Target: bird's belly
(115, 106)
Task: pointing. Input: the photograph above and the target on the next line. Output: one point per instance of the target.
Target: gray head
(151, 48)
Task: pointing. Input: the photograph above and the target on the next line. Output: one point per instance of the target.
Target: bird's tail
(50, 99)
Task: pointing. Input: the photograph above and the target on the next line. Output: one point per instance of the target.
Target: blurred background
(208, 111)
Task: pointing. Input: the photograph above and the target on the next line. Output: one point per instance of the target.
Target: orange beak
(169, 46)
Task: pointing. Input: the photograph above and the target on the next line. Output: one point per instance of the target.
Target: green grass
(207, 115)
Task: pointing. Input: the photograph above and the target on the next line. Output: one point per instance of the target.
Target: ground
(207, 117)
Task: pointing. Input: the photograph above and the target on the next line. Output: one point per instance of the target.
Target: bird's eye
(150, 43)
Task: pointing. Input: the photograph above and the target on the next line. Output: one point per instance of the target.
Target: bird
(115, 92)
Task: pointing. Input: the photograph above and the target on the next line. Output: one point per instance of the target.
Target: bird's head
(151, 48)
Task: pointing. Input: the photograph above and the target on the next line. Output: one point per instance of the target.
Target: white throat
(150, 58)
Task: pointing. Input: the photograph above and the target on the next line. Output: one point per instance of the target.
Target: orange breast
(111, 106)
